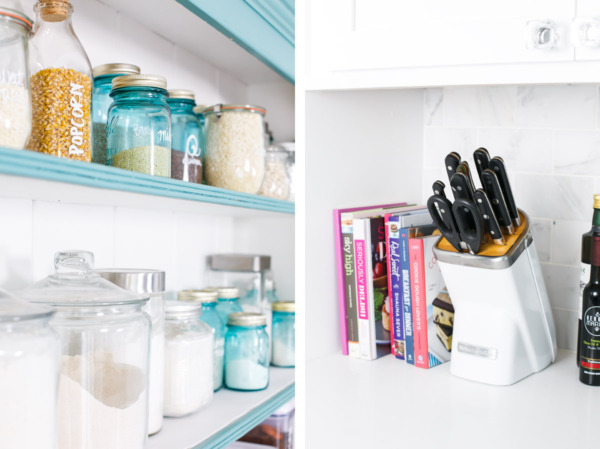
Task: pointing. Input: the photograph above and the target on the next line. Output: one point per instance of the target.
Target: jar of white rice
(235, 147)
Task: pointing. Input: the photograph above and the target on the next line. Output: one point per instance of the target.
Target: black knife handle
(461, 187)
(438, 188)
(489, 217)
(482, 161)
(452, 162)
(440, 209)
(466, 170)
(470, 224)
(497, 164)
(494, 193)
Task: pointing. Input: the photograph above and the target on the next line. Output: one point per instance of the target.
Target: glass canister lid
(284, 306)
(246, 319)
(135, 280)
(74, 283)
(219, 108)
(13, 309)
(115, 69)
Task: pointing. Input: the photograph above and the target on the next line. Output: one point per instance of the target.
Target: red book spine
(419, 306)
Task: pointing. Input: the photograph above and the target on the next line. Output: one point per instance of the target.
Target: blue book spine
(396, 286)
(406, 297)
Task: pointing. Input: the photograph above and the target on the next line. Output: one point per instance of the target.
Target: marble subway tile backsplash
(549, 137)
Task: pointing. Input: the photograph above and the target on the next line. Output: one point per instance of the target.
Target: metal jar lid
(174, 309)
(245, 319)
(135, 280)
(139, 81)
(181, 94)
(16, 17)
(219, 108)
(115, 69)
(239, 262)
(284, 306)
(204, 295)
(228, 292)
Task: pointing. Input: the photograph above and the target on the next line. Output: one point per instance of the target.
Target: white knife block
(503, 327)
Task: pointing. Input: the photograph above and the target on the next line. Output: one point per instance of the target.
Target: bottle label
(592, 321)
(584, 278)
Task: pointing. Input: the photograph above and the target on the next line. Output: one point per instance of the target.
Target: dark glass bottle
(589, 347)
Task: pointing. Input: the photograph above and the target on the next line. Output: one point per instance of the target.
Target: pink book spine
(339, 263)
(419, 295)
(360, 260)
(386, 218)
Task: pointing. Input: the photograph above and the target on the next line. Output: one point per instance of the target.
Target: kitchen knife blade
(452, 161)
(489, 217)
(494, 193)
(482, 161)
(470, 224)
(497, 164)
(461, 187)
(438, 188)
(466, 170)
(440, 209)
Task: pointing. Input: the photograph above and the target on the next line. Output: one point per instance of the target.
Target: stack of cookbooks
(392, 297)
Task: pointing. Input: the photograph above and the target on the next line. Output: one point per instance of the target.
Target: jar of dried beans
(186, 149)
(139, 125)
(61, 85)
(15, 105)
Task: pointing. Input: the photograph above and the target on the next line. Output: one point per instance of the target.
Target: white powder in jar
(188, 373)
(246, 374)
(15, 115)
(284, 353)
(156, 380)
(219, 354)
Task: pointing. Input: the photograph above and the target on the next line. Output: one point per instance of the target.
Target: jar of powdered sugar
(283, 352)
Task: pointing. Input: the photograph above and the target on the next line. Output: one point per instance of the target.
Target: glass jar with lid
(235, 147)
(246, 352)
(101, 101)
(276, 183)
(186, 149)
(61, 85)
(15, 104)
(283, 334)
(104, 339)
(188, 359)
(139, 125)
(209, 299)
(149, 283)
(29, 367)
(229, 301)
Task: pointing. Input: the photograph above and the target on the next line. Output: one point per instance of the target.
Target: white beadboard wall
(549, 137)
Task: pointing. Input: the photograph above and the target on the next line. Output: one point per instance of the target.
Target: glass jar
(29, 367)
(246, 352)
(283, 335)
(186, 150)
(150, 283)
(101, 101)
(276, 183)
(15, 104)
(235, 147)
(200, 116)
(139, 125)
(104, 338)
(188, 359)
(208, 299)
(229, 302)
(61, 85)
(290, 147)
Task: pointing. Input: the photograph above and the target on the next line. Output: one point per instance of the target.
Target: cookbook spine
(406, 295)
(419, 307)
(395, 287)
(340, 277)
(360, 268)
(349, 287)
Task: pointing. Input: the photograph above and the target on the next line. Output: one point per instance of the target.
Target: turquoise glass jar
(186, 149)
(209, 301)
(139, 125)
(246, 352)
(229, 302)
(101, 101)
(284, 334)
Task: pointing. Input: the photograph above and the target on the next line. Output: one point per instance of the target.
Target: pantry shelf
(29, 164)
(229, 416)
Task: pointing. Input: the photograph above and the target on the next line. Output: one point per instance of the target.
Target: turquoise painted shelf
(40, 166)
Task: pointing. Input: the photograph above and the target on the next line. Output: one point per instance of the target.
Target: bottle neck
(595, 259)
(181, 106)
(56, 14)
(596, 218)
(139, 93)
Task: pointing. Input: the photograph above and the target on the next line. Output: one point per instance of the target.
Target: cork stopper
(54, 10)
(596, 201)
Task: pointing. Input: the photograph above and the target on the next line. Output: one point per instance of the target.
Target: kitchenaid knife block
(503, 325)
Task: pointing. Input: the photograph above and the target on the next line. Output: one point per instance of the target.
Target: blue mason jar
(139, 125)
(209, 300)
(101, 101)
(229, 302)
(283, 335)
(186, 149)
(246, 352)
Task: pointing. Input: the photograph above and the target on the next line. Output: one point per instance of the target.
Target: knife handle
(482, 161)
(461, 187)
(494, 193)
(497, 164)
(489, 217)
(438, 188)
(466, 170)
(452, 162)
(470, 224)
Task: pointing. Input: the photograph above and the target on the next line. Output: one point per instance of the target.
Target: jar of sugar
(29, 360)
(208, 299)
(246, 352)
(188, 359)
(284, 334)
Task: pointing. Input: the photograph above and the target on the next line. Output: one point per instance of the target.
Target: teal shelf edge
(264, 28)
(41, 166)
(239, 428)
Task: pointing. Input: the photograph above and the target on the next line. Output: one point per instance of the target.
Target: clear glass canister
(15, 104)
(235, 147)
(276, 183)
(246, 352)
(290, 147)
(200, 116)
(186, 149)
(61, 85)
(139, 125)
(188, 359)
(283, 334)
(104, 338)
(101, 101)
(149, 283)
(208, 299)
(229, 302)
(29, 366)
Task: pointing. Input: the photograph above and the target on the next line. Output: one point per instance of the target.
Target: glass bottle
(61, 85)
(139, 125)
(103, 76)
(284, 334)
(229, 302)
(276, 183)
(589, 358)
(186, 149)
(15, 103)
(208, 299)
(246, 352)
